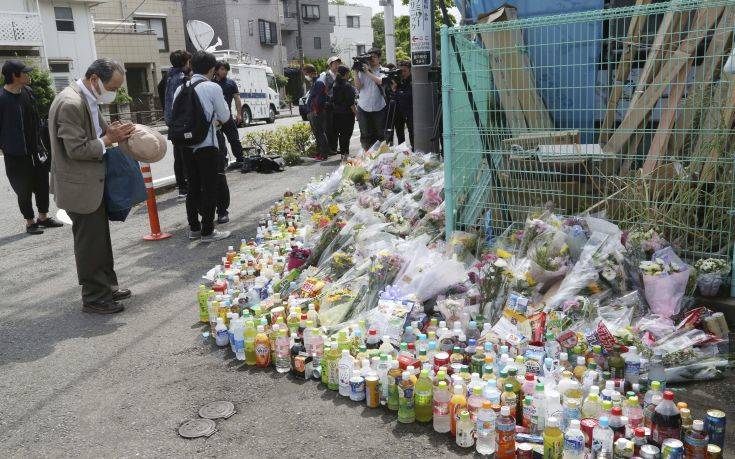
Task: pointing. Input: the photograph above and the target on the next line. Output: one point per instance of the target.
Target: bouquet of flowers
(710, 274)
(664, 284)
(611, 266)
(549, 255)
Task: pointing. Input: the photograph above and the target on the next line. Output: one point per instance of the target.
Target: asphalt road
(81, 385)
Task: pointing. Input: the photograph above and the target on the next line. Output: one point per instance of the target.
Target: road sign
(421, 23)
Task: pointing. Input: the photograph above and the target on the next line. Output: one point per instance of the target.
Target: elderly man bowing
(79, 139)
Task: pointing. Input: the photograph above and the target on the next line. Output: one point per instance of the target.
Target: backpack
(189, 125)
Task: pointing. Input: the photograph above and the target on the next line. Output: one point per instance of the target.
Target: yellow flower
(333, 209)
(504, 254)
(564, 249)
(530, 279)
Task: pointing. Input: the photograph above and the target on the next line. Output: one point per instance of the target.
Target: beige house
(141, 39)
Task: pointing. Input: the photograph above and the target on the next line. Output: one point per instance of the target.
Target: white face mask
(308, 78)
(103, 95)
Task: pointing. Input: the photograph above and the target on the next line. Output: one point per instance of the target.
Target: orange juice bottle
(262, 348)
(457, 403)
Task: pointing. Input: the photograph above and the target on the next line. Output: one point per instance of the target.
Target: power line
(124, 20)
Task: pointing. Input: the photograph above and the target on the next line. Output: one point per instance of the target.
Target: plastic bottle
(632, 366)
(394, 378)
(249, 339)
(386, 347)
(221, 337)
(616, 364)
(639, 439)
(441, 415)
(552, 346)
(538, 418)
(408, 334)
(602, 438)
(650, 410)
(580, 369)
(510, 399)
(695, 441)
(485, 429)
(616, 423)
(592, 406)
(655, 389)
(457, 403)
(505, 434)
(382, 371)
(423, 400)
(553, 405)
(686, 420)
(666, 422)
(553, 440)
(262, 348)
(333, 373)
(313, 315)
(591, 377)
(529, 384)
(406, 413)
(474, 403)
(465, 437)
(656, 369)
(283, 352)
(634, 412)
(566, 381)
(574, 441)
(298, 351)
(239, 340)
(491, 393)
(564, 362)
(528, 412)
(609, 391)
(346, 365)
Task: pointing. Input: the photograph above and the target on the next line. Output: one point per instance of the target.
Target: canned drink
(713, 452)
(524, 451)
(372, 396)
(672, 448)
(714, 425)
(587, 425)
(357, 388)
(441, 359)
(649, 452)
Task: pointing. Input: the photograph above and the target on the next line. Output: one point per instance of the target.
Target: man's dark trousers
(202, 169)
(93, 254)
(329, 128)
(401, 123)
(344, 126)
(223, 190)
(179, 172)
(229, 129)
(28, 179)
(372, 126)
(317, 128)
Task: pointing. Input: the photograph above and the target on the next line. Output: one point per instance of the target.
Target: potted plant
(710, 275)
(122, 104)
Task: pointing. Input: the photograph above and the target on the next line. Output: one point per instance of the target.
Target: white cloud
(399, 8)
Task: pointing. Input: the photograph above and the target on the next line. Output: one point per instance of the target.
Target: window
(310, 12)
(158, 26)
(360, 49)
(238, 33)
(251, 26)
(58, 67)
(268, 34)
(332, 19)
(317, 42)
(353, 22)
(59, 74)
(64, 19)
(272, 82)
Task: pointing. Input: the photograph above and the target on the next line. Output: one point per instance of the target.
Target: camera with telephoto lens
(359, 61)
(392, 75)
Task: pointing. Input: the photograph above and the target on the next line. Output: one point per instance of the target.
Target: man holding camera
(371, 103)
(403, 97)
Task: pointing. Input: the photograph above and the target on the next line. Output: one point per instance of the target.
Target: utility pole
(299, 45)
(389, 25)
(423, 57)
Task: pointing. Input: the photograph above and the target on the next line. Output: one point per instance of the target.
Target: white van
(257, 85)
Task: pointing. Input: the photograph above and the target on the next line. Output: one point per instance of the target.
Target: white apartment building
(353, 30)
(54, 34)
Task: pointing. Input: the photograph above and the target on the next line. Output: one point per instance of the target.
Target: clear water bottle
(485, 430)
(574, 441)
(283, 352)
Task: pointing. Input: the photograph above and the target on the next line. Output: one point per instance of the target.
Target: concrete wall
(317, 28)
(346, 39)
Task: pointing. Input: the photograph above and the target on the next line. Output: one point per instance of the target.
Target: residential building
(141, 35)
(315, 28)
(353, 30)
(252, 27)
(55, 35)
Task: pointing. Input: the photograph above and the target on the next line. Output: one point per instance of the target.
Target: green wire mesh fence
(624, 112)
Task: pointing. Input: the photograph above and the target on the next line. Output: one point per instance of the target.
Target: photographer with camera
(371, 103)
(403, 98)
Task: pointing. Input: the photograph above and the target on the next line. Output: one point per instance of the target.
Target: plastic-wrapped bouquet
(664, 284)
(549, 255)
(612, 270)
(710, 274)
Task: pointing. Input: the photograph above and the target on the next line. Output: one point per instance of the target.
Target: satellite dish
(201, 35)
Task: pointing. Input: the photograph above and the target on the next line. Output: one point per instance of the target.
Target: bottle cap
(563, 356)
(580, 360)
(404, 346)
(488, 347)
(552, 422)
(405, 375)
(617, 411)
(477, 391)
(604, 422)
(464, 415)
(441, 374)
(486, 405)
(682, 405)
(383, 357)
(458, 389)
(471, 342)
(698, 425)
(530, 377)
(668, 395)
(363, 348)
(508, 387)
(609, 385)
(424, 373)
(520, 359)
(655, 385)
(528, 400)
(539, 387)
(607, 405)
(595, 390)
(372, 332)
(639, 432)
(505, 411)
(442, 385)
(408, 329)
(513, 371)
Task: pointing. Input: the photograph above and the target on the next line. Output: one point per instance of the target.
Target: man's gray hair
(104, 68)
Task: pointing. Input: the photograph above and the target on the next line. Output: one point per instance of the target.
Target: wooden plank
(622, 71)
(705, 75)
(513, 75)
(532, 140)
(716, 128)
(666, 121)
(642, 105)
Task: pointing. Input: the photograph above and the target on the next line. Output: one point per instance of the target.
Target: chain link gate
(624, 112)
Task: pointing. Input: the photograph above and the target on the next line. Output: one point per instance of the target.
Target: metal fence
(625, 112)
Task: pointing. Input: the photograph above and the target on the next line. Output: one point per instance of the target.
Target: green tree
(378, 23)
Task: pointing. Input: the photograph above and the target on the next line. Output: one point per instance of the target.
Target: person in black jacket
(403, 96)
(26, 162)
(343, 101)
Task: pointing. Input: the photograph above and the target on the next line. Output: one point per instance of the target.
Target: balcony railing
(20, 29)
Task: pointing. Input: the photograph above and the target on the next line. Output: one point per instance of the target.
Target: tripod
(390, 119)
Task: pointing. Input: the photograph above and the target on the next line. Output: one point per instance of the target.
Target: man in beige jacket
(79, 138)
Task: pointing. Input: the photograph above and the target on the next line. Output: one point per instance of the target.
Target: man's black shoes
(103, 307)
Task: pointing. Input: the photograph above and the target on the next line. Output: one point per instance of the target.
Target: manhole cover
(197, 428)
(216, 410)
